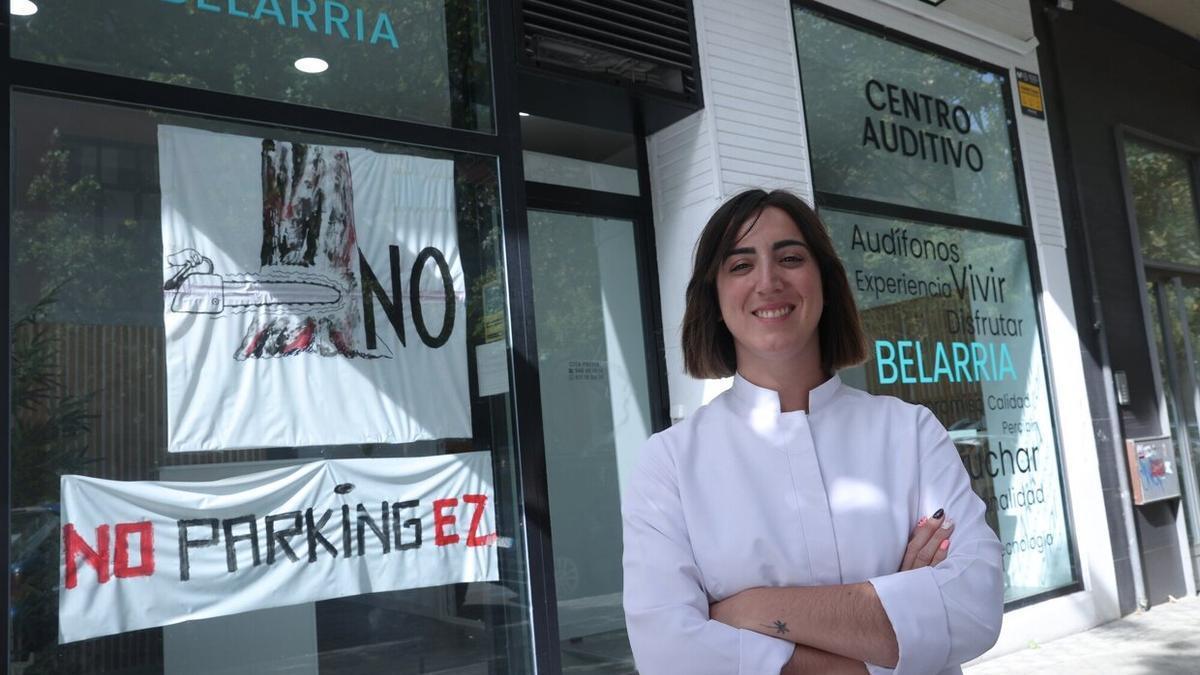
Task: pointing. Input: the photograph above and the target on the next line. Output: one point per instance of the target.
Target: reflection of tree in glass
(82, 273)
(437, 73)
(57, 243)
(478, 203)
(1163, 203)
(49, 439)
(572, 287)
(958, 404)
(838, 61)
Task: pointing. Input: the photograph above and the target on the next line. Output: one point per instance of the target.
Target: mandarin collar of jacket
(762, 404)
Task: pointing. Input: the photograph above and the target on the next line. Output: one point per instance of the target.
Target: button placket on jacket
(820, 540)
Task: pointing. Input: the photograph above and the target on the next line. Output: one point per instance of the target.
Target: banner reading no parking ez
(312, 294)
(144, 554)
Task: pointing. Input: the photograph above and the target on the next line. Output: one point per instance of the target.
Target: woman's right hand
(929, 542)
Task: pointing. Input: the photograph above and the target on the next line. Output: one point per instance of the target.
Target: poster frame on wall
(1023, 231)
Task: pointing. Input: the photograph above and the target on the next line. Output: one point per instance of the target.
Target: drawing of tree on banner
(302, 296)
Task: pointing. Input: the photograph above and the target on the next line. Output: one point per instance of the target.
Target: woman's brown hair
(708, 350)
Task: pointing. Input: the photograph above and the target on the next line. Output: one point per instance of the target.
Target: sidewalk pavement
(1165, 639)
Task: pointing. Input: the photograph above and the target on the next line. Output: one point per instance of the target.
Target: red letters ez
(75, 546)
(442, 520)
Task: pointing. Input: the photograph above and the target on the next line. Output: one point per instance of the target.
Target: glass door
(596, 414)
(1162, 181)
(1175, 308)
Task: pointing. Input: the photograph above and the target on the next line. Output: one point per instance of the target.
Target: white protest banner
(144, 554)
(312, 295)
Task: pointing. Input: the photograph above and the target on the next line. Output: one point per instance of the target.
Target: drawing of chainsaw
(198, 290)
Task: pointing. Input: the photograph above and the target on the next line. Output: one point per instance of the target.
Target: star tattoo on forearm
(779, 626)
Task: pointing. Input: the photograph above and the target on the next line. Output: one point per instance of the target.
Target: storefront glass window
(1163, 202)
(950, 311)
(419, 60)
(950, 321)
(261, 418)
(891, 123)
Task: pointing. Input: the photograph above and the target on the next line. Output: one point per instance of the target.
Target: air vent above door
(645, 44)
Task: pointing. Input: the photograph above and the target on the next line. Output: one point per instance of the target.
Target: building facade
(1128, 162)
(335, 328)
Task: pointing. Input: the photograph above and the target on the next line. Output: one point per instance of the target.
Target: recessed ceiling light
(523, 114)
(311, 64)
(22, 7)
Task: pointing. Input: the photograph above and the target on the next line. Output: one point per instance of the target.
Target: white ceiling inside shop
(1182, 15)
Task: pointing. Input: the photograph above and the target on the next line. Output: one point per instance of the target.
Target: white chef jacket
(741, 495)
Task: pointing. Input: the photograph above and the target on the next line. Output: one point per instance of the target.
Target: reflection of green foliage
(837, 61)
(49, 425)
(477, 203)
(564, 265)
(49, 439)
(58, 254)
(1164, 203)
(56, 244)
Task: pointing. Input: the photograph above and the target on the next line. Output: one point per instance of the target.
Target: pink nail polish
(944, 545)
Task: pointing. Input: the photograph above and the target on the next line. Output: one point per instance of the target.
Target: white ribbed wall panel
(751, 84)
(750, 134)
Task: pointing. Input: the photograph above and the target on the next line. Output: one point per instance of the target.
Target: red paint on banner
(256, 343)
(303, 339)
(145, 532)
(74, 546)
(441, 520)
(473, 536)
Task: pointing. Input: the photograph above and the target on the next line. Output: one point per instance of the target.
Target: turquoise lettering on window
(911, 362)
(328, 17)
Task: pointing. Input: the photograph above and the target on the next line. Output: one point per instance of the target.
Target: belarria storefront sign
(328, 17)
(144, 554)
(953, 326)
(891, 123)
(312, 294)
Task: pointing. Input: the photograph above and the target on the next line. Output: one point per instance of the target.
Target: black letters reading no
(414, 294)
(372, 287)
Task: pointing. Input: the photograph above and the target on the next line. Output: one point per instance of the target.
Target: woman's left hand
(929, 542)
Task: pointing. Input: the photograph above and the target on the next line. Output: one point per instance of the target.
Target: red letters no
(74, 546)
(441, 520)
(145, 532)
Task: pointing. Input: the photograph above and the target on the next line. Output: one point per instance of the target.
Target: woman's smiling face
(769, 291)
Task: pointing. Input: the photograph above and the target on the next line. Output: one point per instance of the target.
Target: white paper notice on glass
(491, 368)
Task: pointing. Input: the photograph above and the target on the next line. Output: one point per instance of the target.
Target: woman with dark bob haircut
(795, 524)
